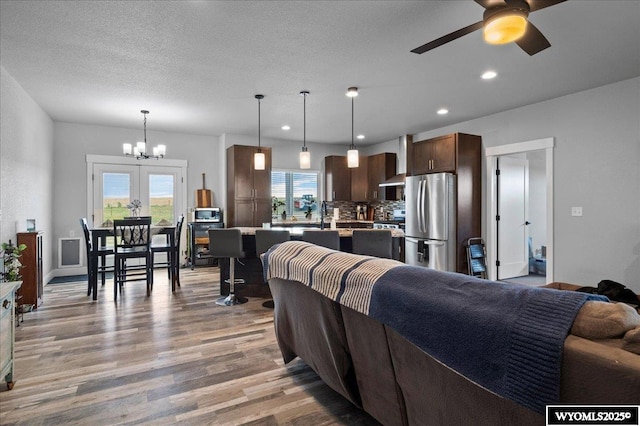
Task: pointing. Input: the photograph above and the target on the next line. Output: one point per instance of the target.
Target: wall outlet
(576, 211)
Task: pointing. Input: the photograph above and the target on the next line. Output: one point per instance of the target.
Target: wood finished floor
(167, 359)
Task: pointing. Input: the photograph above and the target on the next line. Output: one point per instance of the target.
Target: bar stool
(227, 243)
(373, 242)
(329, 239)
(265, 239)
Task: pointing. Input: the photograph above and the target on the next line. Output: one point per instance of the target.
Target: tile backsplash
(383, 210)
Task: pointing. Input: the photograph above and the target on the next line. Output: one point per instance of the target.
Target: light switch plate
(576, 211)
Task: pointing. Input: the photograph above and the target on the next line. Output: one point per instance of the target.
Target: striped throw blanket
(506, 338)
(346, 278)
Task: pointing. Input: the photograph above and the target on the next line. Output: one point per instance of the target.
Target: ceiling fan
(503, 21)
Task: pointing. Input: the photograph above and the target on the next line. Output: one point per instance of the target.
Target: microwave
(207, 214)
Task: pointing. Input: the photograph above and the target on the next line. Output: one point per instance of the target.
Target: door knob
(527, 223)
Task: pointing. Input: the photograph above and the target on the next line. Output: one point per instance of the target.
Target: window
(295, 193)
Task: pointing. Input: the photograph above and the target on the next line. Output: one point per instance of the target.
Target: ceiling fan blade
(447, 38)
(490, 3)
(541, 4)
(533, 41)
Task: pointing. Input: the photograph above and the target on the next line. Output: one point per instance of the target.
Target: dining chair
(329, 239)
(227, 243)
(96, 258)
(373, 242)
(132, 241)
(265, 239)
(171, 247)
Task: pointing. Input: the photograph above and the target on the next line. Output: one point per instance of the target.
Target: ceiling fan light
(505, 28)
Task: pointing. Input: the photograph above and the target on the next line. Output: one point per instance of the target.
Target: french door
(118, 190)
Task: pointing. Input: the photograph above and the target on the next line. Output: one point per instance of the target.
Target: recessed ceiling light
(286, 127)
(488, 75)
(443, 111)
(360, 136)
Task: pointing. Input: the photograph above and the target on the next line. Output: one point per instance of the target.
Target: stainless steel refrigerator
(430, 234)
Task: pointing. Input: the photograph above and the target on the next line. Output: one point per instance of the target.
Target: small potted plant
(11, 265)
(275, 204)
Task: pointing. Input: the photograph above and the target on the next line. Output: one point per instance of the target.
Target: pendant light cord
(304, 124)
(145, 131)
(259, 150)
(353, 145)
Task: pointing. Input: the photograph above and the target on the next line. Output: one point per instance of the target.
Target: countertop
(302, 222)
(343, 232)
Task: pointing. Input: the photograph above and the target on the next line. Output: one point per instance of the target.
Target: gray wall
(74, 141)
(26, 165)
(596, 166)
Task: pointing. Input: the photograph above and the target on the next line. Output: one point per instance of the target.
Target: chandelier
(140, 150)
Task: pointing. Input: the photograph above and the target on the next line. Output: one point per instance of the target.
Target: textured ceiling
(197, 65)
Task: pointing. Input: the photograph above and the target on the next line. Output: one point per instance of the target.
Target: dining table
(99, 238)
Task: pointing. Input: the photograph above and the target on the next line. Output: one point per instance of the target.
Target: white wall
(596, 166)
(26, 165)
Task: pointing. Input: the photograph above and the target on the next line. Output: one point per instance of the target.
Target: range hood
(397, 180)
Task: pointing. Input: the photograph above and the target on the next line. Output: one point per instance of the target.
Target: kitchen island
(250, 267)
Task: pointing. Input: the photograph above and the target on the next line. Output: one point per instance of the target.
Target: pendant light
(305, 155)
(352, 154)
(140, 150)
(258, 157)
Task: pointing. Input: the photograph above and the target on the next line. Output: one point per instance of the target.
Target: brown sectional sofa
(397, 383)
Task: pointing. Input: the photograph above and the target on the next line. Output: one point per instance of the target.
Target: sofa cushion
(558, 285)
(631, 341)
(602, 320)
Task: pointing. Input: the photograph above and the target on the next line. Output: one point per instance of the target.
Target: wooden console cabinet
(32, 274)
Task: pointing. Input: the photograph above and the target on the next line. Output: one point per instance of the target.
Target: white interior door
(513, 190)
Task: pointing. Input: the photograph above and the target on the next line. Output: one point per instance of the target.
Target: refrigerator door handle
(420, 206)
